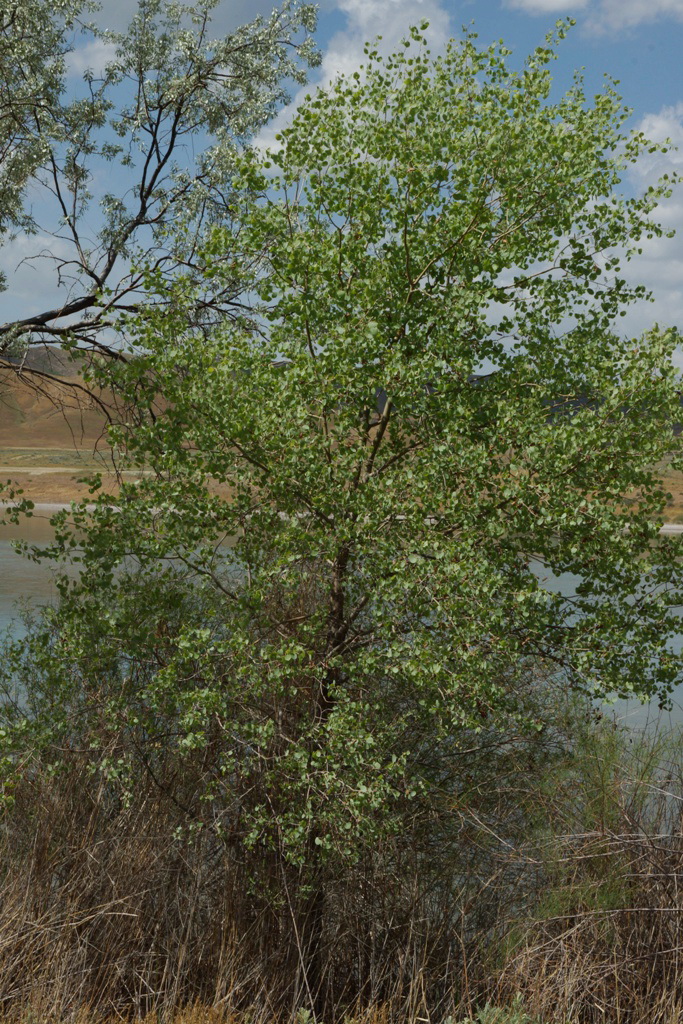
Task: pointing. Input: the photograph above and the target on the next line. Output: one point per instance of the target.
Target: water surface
(20, 578)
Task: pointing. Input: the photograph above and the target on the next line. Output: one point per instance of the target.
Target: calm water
(23, 580)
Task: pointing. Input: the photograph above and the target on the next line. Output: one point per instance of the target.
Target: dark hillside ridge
(50, 359)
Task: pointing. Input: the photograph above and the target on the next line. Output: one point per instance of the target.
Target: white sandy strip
(73, 470)
(671, 529)
(49, 508)
(42, 508)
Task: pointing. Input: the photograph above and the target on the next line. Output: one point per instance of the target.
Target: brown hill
(44, 404)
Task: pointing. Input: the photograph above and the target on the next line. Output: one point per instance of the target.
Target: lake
(23, 580)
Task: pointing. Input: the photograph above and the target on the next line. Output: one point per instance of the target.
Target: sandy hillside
(51, 431)
(39, 413)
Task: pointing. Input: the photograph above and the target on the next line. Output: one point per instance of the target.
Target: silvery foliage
(160, 122)
(15, 345)
(32, 52)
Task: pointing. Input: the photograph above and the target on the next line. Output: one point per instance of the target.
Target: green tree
(326, 585)
(161, 120)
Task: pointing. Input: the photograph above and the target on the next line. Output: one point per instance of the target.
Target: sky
(638, 42)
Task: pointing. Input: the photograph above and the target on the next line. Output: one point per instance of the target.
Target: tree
(162, 120)
(32, 49)
(323, 597)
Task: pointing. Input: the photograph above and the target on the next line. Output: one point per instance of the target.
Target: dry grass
(565, 887)
(113, 906)
(53, 488)
(202, 1014)
(673, 483)
(605, 942)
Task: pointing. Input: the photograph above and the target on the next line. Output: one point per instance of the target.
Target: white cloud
(30, 282)
(619, 14)
(604, 15)
(660, 267)
(93, 56)
(547, 6)
(365, 20)
(390, 19)
(667, 123)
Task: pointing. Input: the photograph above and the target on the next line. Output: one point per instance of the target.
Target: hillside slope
(37, 412)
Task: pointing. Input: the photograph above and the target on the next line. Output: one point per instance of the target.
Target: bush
(603, 940)
(122, 889)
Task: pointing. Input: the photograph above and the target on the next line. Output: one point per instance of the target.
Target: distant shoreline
(41, 507)
(50, 507)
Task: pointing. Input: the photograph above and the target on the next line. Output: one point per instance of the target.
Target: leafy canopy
(159, 123)
(388, 509)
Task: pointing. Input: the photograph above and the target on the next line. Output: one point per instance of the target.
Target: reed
(551, 890)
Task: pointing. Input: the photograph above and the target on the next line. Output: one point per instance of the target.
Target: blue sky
(639, 42)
